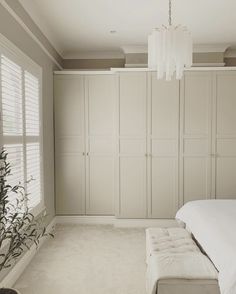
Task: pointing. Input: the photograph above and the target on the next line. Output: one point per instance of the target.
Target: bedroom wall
(13, 31)
(141, 59)
(93, 63)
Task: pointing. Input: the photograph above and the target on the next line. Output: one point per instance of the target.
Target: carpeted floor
(84, 259)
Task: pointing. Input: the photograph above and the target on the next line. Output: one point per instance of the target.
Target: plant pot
(8, 291)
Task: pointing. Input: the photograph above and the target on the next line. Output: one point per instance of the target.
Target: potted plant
(19, 229)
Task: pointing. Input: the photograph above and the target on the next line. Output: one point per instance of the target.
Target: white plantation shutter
(20, 126)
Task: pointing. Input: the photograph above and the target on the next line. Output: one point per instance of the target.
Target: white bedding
(213, 224)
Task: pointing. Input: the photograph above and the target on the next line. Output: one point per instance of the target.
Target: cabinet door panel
(100, 144)
(225, 178)
(132, 187)
(225, 164)
(163, 140)
(70, 184)
(197, 103)
(132, 194)
(164, 184)
(69, 144)
(69, 105)
(132, 104)
(196, 186)
(164, 108)
(195, 152)
(226, 104)
(101, 185)
(101, 93)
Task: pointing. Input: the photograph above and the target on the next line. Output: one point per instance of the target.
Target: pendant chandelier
(170, 50)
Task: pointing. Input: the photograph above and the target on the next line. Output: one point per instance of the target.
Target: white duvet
(213, 224)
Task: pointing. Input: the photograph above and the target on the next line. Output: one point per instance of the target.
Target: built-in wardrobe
(132, 146)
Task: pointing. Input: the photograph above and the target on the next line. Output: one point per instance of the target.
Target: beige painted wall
(92, 63)
(16, 34)
(211, 57)
(140, 58)
(136, 58)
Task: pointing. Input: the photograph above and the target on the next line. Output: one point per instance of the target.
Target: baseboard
(85, 219)
(10, 279)
(145, 223)
(111, 220)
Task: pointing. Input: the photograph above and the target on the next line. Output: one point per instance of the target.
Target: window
(20, 91)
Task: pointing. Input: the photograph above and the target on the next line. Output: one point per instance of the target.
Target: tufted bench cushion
(175, 264)
(172, 240)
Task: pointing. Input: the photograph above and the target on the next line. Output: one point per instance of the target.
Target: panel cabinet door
(225, 136)
(195, 144)
(131, 202)
(100, 109)
(69, 144)
(163, 144)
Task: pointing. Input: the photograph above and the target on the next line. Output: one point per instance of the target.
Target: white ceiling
(78, 27)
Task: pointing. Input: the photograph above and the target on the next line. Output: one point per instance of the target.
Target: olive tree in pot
(19, 229)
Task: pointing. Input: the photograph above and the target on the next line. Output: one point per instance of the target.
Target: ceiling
(77, 28)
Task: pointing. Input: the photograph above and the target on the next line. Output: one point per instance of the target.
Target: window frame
(8, 49)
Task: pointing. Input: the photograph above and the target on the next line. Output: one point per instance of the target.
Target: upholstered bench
(176, 265)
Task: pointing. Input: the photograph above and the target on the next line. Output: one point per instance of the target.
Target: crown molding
(197, 48)
(94, 55)
(129, 49)
(31, 8)
(28, 31)
(210, 48)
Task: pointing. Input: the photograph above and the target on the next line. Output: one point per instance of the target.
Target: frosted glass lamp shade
(170, 51)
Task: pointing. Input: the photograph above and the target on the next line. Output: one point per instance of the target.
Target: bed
(213, 224)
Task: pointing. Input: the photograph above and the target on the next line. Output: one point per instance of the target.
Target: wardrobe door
(225, 138)
(69, 144)
(100, 108)
(132, 146)
(163, 143)
(195, 148)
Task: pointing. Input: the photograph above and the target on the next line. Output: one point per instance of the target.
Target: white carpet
(84, 259)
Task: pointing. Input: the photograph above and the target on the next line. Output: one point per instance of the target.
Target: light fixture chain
(170, 17)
